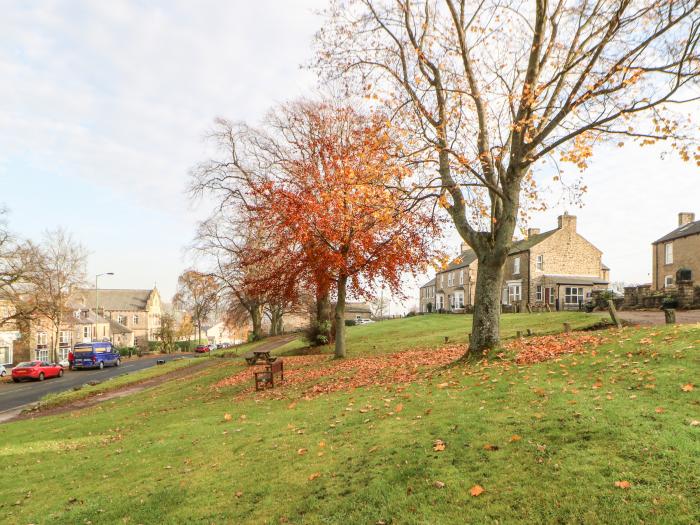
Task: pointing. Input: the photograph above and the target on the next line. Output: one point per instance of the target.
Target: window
(86, 332)
(40, 339)
(63, 353)
(121, 319)
(42, 354)
(668, 280)
(461, 277)
(64, 337)
(516, 266)
(136, 319)
(538, 292)
(514, 293)
(5, 355)
(573, 295)
(539, 262)
(668, 253)
(459, 300)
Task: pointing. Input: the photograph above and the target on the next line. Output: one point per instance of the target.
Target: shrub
(318, 334)
(350, 322)
(669, 301)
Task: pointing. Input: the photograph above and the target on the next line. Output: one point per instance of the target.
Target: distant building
(426, 302)
(358, 311)
(676, 255)
(137, 310)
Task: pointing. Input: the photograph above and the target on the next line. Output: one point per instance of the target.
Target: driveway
(657, 317)
(16, 395)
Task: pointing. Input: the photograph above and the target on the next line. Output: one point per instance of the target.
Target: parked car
(38, 370)
(64, 363)
(95, 355)
(363, 321)
(202, 349)
(3, 371)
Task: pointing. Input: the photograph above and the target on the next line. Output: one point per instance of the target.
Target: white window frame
(539, 293)
(121, 319)
(87, 333)
(539, 262)
(516, 266)
(568, 295)
(42, 354)
(668, 280)
(135, 319)
(515, 293)
(459, 299)
(64, 337)
(668, 253)
(5, 351)
(41, 339)
(461, 277)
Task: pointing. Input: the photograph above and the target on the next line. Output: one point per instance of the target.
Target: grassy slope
(429, 331)
(168, 456)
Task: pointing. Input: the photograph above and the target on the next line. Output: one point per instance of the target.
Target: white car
(64, 363)
(3, 372)
(364, 321)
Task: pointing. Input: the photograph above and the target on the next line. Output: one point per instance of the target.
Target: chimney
(685, 218)
(567, 221)
(463, 247)
(532, 231)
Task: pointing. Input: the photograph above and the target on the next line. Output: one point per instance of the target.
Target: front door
(547, 295)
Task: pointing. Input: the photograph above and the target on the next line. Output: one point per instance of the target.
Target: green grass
(168, 455)
(429, 331)
(70, 396)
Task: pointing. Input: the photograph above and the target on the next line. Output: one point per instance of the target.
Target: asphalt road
(16, 395)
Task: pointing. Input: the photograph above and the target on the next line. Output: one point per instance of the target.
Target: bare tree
(484, 93)
(197, 294)
(59, 270)
(167, 332)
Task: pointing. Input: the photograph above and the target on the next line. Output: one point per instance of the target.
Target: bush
(669, 301)
(350, 322)
(412, 313)
(126, 351)
(318, 334)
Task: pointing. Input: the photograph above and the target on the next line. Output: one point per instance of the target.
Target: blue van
(95, 355)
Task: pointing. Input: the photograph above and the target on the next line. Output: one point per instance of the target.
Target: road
(646, 317)
(16, 395)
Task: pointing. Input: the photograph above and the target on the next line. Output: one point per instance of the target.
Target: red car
(38, 370)
(202, 349)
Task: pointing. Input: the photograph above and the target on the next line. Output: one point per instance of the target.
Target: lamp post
(97, 298)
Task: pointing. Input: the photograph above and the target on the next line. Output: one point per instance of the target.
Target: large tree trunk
(487, 304)
(275, 320)
(340, 318)
(256, 319)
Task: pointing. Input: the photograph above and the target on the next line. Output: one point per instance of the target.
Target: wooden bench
(253, 357)
(266, 378)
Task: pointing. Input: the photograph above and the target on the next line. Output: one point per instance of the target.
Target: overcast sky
(104, 105)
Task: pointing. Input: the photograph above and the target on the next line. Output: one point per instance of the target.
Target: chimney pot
(567, 221)
(685, 217)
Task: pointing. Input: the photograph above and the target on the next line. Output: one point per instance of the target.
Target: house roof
(692, 228)
(576, 279)
(117, 299)
(357, 307)
(604, 266)
(90, 318)
(431, 282)
(118, 328)
(467, 257)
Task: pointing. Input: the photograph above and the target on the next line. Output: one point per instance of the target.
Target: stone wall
(686, 293)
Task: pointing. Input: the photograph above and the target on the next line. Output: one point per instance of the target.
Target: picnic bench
(266, 378)
(253, 357)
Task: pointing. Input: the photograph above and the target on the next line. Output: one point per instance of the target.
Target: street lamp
(97, 298)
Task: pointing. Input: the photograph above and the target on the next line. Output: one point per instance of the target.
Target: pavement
(656, 317)
(15, 396)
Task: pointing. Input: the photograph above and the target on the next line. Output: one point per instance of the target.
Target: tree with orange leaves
(339, 200)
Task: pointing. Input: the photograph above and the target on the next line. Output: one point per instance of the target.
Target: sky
(104, 107)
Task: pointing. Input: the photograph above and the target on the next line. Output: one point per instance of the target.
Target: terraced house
(558, 268)
(137, 310)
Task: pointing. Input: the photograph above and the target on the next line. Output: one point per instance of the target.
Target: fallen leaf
(398, 408)
(439, 485)
(514, 437)
(321, 444)
(301, 451)
(476, 490)
(688, 388)
(695, 423)
(443, 385)
(228, 417)
(439, 445)
(659, 410)
(623, 484)
(239, 494)
(314, 476)
(489, 446)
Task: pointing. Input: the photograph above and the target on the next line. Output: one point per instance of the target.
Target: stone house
(426, 301)
(137, 310)
(357, 311)
(558, 268)
(676, 255)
